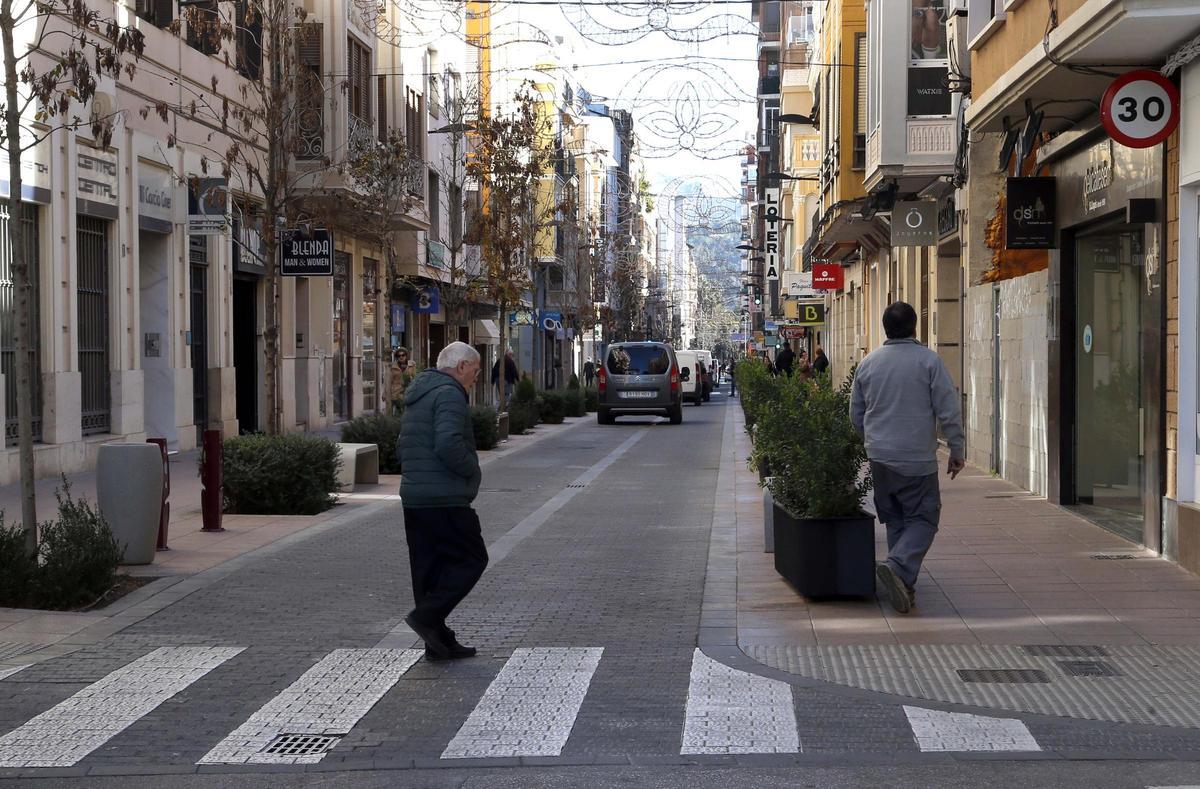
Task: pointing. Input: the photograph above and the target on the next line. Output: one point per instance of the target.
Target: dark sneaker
(435, 643)
(457, 652)
(895, 587)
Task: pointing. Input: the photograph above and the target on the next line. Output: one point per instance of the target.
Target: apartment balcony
(768, 87)
(912, 151)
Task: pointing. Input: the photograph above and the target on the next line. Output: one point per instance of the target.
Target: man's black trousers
(447, 557)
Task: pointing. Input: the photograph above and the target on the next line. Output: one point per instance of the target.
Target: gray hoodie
(901, 393)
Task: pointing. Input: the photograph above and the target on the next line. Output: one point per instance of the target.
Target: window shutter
(309, 46)
(381, 109)
(860, 84)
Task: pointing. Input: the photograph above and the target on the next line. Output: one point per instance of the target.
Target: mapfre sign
(828, 276)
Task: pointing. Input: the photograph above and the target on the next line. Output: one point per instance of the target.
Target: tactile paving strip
(731, 711)
(1158, 685)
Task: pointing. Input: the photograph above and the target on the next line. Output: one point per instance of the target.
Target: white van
(689, 376)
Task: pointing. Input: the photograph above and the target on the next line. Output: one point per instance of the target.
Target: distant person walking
(803, 368)
(439, 481)
(589, 372)
(820, 363)
(511, 375)
(399, 374)
(784, 360)
(901, 393)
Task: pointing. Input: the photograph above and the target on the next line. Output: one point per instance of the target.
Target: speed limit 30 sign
(1140, 109)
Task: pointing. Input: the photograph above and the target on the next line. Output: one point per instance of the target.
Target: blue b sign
(427, 301)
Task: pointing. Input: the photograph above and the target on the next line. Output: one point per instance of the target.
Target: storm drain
(1113, 556)
(301, 745)
(1089, 668)
(577, 485)
(1065, 650)
(1011, 676)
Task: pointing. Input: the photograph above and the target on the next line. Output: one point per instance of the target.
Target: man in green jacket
(440, 479)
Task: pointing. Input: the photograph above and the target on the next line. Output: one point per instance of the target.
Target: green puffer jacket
(437, 444)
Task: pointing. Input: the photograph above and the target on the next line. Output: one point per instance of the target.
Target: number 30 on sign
(1140, 109)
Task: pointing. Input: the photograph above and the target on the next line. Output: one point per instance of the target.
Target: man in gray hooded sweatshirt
(901, 393)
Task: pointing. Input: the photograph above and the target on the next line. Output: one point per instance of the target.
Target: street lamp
(749, 247)
(455, 128)
(785, 177)
(792, 117)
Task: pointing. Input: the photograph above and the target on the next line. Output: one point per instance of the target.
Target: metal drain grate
(1065, 650)
(1113, 556)
(1010, 676)
(577, 485)
(301, 744)
(1089, 668)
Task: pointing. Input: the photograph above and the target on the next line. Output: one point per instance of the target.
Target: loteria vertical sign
(771, 214)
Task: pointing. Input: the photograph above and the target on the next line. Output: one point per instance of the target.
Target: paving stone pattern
(959, 731)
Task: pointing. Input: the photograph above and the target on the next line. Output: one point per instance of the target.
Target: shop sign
(914, 223)
(792, 332)
(208, 206)
(520, 318)
(427, 301)
(1140, 109)
(828, 276)
(772, 245)
(1030, 223)
(810, 313)
(35, 168)
(928, 92)
(96, 181)
(550, 320)
(156, 198)
(306, 252)
(798, 285)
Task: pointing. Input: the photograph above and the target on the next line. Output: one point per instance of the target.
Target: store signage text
(306, 253)
(771, 214)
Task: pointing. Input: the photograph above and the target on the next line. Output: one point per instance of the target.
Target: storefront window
(929, 65)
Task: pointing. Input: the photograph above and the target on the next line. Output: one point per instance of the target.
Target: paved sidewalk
(1007, 568)
(192, 551)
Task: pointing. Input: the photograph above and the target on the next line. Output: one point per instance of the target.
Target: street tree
(56, 52)
(510, 161)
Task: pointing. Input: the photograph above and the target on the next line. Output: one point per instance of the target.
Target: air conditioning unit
(958, 37)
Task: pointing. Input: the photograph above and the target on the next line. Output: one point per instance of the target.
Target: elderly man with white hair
(440, 479)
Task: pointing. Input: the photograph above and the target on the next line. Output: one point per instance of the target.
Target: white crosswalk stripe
(531, 706)
(935, 730)
(69, 731)
(326, 703)
(731, 711)
(8, 671)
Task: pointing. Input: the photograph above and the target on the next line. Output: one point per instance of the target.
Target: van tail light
(674, 378)
(601, 380)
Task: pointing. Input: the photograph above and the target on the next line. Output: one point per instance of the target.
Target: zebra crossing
(531, 709)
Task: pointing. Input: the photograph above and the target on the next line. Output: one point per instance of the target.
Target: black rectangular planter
(828, 557)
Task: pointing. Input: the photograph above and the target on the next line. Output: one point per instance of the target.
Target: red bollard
(210, 481)
(164, 517)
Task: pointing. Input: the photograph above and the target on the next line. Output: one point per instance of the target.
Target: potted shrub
(824, 542)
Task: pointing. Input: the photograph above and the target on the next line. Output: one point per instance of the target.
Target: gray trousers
(910, 507)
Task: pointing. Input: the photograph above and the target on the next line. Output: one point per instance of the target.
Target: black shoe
(435, 643)
(457, 652)
(895, 587)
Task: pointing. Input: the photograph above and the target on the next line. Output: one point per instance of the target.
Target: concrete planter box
(129, 486)
(826, 557)
(502, 426)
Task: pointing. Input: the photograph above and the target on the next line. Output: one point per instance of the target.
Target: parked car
(691, 377)
(710, 373)
(639, 378)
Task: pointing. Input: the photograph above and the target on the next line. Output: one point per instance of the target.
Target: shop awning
(486, 332)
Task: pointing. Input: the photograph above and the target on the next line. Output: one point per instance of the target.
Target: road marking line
(402, 636)
(66, 733)
(731, 711)
(531, 706)
(935, 730)
(8, 671)
(329, 699)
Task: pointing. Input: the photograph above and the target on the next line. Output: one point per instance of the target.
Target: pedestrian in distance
(399, 375)
(820, 363)
(589, 372)
(440, 480)
(901, 393)
(511, 375)
(785, 359)
(803, 368)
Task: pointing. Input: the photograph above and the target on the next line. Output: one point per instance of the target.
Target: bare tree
(55, 51)
(510, 162)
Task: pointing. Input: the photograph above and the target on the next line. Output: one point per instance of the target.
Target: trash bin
(129, 489)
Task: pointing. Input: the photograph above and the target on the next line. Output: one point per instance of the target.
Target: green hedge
(591, 399)
(576, 402)
(552, 407)
(487, 432)
(291, 474)
(381, 430)
(18, 567)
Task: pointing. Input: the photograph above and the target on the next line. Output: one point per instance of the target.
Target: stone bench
(360, 465)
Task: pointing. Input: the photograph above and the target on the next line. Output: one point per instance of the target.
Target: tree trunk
(20, 278)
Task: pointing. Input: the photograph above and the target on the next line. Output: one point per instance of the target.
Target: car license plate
(639, 395)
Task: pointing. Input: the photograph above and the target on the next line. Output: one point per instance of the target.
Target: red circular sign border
(1122, 81)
